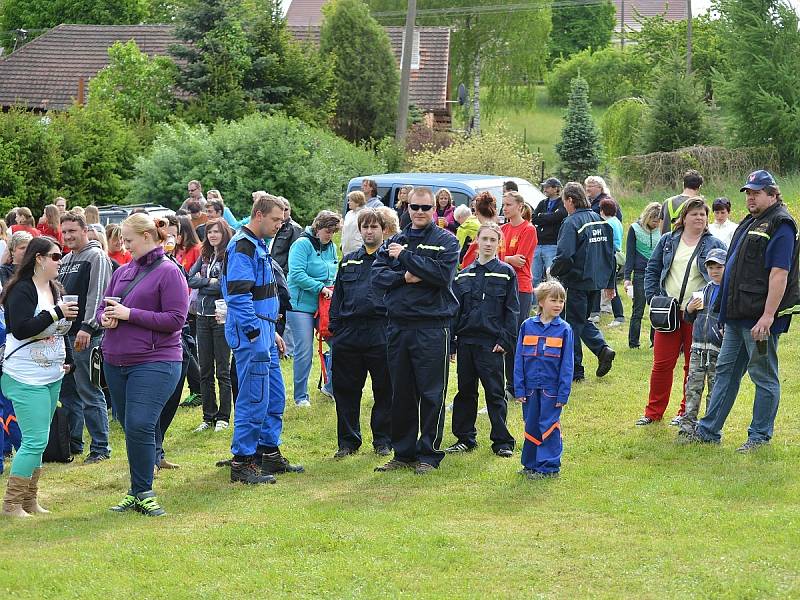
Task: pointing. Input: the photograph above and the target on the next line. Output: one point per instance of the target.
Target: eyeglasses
(56, 256)
(422, 207)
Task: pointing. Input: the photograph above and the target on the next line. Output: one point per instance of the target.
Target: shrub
(620, 127)
(421, 137)
(578, 149)
(275, 153)
(612, 74)
(496, 153)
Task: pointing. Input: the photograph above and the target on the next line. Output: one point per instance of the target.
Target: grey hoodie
(86, 273)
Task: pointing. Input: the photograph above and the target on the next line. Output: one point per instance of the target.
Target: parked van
(464, 187)
(116, 213)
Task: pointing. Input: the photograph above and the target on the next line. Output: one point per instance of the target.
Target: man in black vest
(760, 292)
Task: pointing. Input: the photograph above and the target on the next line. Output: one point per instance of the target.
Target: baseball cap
(721, 204)
(758, 180)
(717, 255)
(552, 182)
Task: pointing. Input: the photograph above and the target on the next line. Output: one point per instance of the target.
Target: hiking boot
(249, 473)
(16, 492)
(274, 463)
(424, 468)
(165, 464)
(540, 475)
(383, 450)
(220, 426)
(192, 400)
(505, 453)
(605, 360)
(127, 503)
(95, 457)
(225, 462)
(645, 421)
(345, 451)
(204, 426)
(460, 447)
(147, 504)
(395, 465)
(30, 504)
(750, 446)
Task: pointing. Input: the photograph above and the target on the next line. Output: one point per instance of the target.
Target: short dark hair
(608, 207)
(194, 207)
(217, 205)
(510, 186)
(721, 204)
(370, 216)
(692, 180)
(73, 218)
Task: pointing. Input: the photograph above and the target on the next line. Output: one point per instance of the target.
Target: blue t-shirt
(617, 227)
(780, 251)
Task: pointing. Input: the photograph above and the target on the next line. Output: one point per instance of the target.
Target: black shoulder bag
(96, 374)
(665, 310)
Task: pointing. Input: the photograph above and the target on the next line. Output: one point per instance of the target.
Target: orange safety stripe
(530, 438)
(554, 342)
(553, 427)
(530, 340)
(9, 420)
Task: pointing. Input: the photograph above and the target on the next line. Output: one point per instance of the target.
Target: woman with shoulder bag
(146, 306)
(35, 361)
(675, 271)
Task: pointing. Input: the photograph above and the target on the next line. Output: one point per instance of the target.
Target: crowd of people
(203, 299)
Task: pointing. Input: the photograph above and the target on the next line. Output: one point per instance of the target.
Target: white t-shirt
(723, 232)
(41, 362)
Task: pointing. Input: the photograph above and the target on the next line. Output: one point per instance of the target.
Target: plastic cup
(698, 296)
(112, 298)
(221, 310)
(70, 298)
(629, 289)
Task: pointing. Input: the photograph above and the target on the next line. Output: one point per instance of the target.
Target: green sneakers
(145, 503)
(127, 503)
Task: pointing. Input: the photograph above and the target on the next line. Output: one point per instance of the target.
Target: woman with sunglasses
(36, 359)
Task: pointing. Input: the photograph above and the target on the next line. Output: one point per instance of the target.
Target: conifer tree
(579, 148)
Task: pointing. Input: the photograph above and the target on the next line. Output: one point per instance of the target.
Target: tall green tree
(579, 148)
(367, 78)
(581, 27)
(761, 91)
(42, 14)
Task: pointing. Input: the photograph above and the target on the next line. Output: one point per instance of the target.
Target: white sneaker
(483, 411)
(325, 392)
(202, 427)
(221, 426)
(304, 403)
(595, 319)
(615, 323)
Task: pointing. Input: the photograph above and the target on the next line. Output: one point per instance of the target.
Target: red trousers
(666, 350)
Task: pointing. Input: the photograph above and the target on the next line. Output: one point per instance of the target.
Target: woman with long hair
(92, 215)
(146, 306)
(187, 247)
(50, 223)
(444, 210)
(212, 349)
(25, 222)
(35, 361)
(642, 239)
(401, 206)
(116, 247)
(16, 250)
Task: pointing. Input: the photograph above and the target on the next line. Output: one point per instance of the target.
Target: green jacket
(468, 229)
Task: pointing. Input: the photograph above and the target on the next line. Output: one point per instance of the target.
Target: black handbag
(665, 311)
(57, 449)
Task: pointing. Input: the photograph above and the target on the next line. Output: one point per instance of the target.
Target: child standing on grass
(706, 342)
(543, 367)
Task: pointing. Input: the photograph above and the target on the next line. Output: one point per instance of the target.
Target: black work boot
(249, 472)
(273, 463)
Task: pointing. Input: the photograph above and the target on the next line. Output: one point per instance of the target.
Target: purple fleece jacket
(159, 304)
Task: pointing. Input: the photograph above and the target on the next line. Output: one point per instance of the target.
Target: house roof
(429, 83)
(672, 10)
(304, 13)
(45, 72)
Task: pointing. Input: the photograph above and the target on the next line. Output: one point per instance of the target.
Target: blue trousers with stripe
(272, 425)
(542, 448)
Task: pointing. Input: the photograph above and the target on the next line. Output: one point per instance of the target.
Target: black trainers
(274, 463)
(249, 472)
(750, 445)
(459, 447)
(383, 450)
(147, 504)
(94, 458)
(644, 421)
(424, 468)
(505, 453)
(225, 462)
(605, 360)
(127, 503)
(345, 451)
(395, 465)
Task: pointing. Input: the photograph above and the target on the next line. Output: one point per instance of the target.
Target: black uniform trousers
(480, 363)
(419, 363)
(350, 363)
(578, 308)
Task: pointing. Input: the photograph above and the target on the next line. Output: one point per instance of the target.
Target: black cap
(552, 182)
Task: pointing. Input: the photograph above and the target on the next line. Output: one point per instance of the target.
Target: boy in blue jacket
(543, 368)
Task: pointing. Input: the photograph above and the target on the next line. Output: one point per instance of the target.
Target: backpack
(58, 445)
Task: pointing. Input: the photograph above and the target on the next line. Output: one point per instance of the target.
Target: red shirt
(521, 239)
(32, 230)
(123, 257)
(188, 257)
(45, 229)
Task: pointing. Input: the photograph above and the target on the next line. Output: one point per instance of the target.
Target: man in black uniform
(485, 328)
(358, 323)
(413, 273)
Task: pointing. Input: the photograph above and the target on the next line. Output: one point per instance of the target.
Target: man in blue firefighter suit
(585, 264)
(250, 291)
(543, 380)
(414, 272)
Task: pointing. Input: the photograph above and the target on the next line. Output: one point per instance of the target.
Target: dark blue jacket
(585, 253)
(544, 359)
(594, 204)
(433, 257)
(655, 275)
(355, 305)
(706, 333)
(488, 306)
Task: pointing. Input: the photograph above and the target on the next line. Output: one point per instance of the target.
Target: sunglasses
(422, 207)
(56, 256)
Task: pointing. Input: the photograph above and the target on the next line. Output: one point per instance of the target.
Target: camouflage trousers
(702, 368)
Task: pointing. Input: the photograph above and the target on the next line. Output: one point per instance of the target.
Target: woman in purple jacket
(146, 306)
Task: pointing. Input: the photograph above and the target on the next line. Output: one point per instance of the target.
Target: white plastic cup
(221, 310)
(698, 296)
(629, 290)
(70, 298)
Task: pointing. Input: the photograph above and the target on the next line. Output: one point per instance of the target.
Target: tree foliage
(579, 149)
(761, 89)
(620, 127)
(367, 79)
(43, 14)
(581, 27)
(275, 153)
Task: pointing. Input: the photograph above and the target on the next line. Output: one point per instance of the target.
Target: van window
(460, 198)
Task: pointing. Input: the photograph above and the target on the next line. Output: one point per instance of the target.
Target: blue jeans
(737, 356)
(139, 394)
(288, 339)
(85, 402)
(302, 325)
(542, 260)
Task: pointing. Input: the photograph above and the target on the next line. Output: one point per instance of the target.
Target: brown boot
(15, 496)
(31, 502)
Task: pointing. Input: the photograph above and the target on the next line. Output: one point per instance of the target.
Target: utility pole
(689, 37)
(405, 72)
(622, 24)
